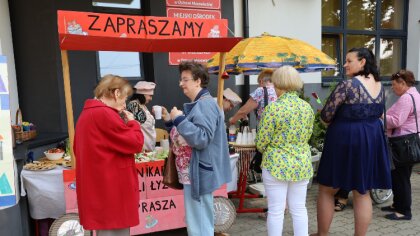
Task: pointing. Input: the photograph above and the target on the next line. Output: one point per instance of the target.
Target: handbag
(406, 148)
(170, 174)
(256, 161)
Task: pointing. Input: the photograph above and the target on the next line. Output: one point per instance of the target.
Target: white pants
(278, 192)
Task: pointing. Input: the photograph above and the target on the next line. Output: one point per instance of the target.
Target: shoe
(388, 208)
(393, 216)
(263, 215)
(339, 206)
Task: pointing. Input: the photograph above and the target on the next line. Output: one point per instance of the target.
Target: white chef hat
(144, 87)
(232, 96)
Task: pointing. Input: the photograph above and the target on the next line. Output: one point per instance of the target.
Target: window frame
(342, 32)
(145, 59)
(129, 78)
(119, 10)
(337, 38)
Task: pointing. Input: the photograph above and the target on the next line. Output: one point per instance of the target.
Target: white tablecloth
(232, 186)
(45, 192)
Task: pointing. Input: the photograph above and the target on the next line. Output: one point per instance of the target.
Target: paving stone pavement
(247, 224)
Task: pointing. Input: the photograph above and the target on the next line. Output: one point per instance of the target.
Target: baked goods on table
(39, 165)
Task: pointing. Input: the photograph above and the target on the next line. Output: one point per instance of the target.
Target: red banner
(177, 57)
(193, 13)
(124, 26)
(207, 4)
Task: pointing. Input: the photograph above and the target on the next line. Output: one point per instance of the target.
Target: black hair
(370, 65)
(198, 71)
(140, 97)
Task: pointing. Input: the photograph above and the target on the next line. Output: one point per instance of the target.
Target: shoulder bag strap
(265, 96)
(415, 112)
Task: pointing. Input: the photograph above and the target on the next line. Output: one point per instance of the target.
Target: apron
(148, 129)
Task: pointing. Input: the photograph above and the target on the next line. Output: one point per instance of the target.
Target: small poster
(207, 4)
(7, 177)
(216, 31)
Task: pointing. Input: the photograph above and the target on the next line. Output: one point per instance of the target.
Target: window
(126, 64)
(380, 25)
(125, 4)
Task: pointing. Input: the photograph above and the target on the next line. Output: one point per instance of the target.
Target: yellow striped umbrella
(252, 55)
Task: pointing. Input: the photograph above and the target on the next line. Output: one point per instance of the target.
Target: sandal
(339, 206)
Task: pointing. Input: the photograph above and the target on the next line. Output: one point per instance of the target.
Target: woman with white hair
(283, 134)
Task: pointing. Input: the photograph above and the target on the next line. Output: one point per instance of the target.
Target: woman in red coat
(104, 144)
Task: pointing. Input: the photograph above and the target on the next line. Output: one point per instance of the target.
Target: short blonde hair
(287, 78)
(109, 83)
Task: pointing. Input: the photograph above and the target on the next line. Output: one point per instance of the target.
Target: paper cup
(250, 138)
(164, 143)
(239, 138)
(158, 112)
(244, 140)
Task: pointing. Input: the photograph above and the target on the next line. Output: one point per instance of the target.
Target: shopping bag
(170, 174)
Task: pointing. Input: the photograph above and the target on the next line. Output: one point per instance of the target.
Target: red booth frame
(90, 38)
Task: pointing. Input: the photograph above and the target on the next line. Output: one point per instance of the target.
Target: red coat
(106, 178)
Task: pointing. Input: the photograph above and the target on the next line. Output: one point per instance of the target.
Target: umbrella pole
(221, 81)
(69, 105)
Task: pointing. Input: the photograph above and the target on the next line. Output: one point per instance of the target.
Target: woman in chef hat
(143, 95)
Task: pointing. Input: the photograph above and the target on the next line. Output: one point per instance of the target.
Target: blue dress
(355, 155)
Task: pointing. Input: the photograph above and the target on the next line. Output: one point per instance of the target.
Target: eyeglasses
(184, 80)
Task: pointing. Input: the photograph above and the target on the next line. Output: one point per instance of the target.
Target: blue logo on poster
(72, 186)
(4, 102)
(3, 88)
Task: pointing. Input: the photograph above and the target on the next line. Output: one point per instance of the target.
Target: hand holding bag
(406, 148)
(256, 161)
(170, 174)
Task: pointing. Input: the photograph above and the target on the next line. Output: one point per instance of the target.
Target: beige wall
(300, 19)
(413, 39)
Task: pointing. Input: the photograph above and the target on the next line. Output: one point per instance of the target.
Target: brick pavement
(247, 224)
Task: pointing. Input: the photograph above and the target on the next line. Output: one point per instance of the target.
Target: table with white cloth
(233, 185)
(45, 192)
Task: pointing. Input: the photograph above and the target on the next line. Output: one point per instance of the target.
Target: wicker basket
(21, 135)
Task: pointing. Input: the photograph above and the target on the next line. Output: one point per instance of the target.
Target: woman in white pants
(283, 135)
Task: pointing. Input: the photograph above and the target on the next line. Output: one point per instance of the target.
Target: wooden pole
(221, 81)
(69, 105)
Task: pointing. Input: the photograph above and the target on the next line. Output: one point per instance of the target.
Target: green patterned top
(283, 134)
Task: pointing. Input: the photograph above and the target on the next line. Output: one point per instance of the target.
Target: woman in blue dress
(355, 156)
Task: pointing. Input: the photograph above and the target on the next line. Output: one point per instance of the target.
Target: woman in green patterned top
(283, 134)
